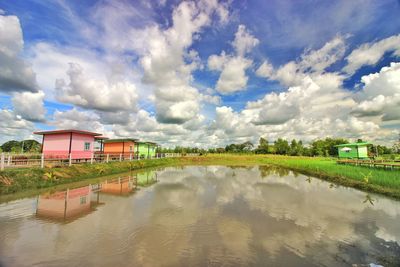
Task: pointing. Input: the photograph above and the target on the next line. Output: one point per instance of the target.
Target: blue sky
(202, 73)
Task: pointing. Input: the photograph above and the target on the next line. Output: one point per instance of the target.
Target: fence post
(70, 159)
(42, 161)
(130, 157)
(108, 156)
(120, 157)
(2, 162)
(9, 160)
(91, 158)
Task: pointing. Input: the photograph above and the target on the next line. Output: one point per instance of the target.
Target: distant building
(61, 143)
(353, 150)
(146, 149)
(120, 146)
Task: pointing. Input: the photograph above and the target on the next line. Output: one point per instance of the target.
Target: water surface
(203, 216)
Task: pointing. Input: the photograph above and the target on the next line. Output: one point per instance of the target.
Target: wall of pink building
(56, 142)
(57, 145)
(78, 145)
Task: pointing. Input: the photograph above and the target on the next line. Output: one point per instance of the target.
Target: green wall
(146, 150)
(362, 152)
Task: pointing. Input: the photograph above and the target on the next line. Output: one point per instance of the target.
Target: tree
(296, 148)
(281, 147)
(13, 146)
(263, 146)
(326, 147)
(8, 146)
(31, 146)
(396, 146)
(247, 146)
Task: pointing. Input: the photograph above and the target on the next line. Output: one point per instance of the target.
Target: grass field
(368, 179)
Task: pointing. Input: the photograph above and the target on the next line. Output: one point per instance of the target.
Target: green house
(146, 149)
(353, 150)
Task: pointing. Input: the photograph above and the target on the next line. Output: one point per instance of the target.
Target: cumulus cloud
(244, 42)
(95, 94)
(14, 127)
(16, 74)
(312, 63)
(371, 53)
(233, 77)
(380, 94)
(233, 68)
(76, 119)
(30, 106)
(167, 64)
(144, 125)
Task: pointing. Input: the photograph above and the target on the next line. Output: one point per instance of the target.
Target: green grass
(368, 179)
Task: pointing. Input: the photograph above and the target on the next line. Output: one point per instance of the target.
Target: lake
(203, 216)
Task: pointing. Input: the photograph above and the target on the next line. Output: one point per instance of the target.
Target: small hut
(353, 150)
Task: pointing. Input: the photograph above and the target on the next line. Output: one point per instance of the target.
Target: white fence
(42, 160)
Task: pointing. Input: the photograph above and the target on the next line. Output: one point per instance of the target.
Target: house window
(87, 146)
(83, 200)
(131, 148)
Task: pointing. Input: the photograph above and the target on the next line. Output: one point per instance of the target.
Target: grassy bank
(17, 180)
(372, 180)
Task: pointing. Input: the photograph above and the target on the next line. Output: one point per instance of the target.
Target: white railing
(8, 160)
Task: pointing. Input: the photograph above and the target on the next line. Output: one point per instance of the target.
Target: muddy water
(203, 216)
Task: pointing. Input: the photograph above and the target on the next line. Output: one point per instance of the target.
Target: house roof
(66, 131)
(145, 142)
(101, 138)
(354, 144)
(120, 140)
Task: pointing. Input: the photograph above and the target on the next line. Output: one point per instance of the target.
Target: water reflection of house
(72, 203)
(119, 186)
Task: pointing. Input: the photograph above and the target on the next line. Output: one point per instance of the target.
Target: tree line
(25, 146)
(321, 147)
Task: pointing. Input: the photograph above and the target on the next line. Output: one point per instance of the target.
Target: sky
(202, 73)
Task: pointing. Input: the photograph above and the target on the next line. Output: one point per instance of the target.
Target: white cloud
(233, 77)
(371, 53)
(319, 60)
(75, 119)
(244, 42)
(13, 127)
(233, 68)
(16, 74)
(167, 64)
(381, 94)
(95, 94)
(265, 70)
(312, 63)
(29, 106)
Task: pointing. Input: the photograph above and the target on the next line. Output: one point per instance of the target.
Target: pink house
(61, 143)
